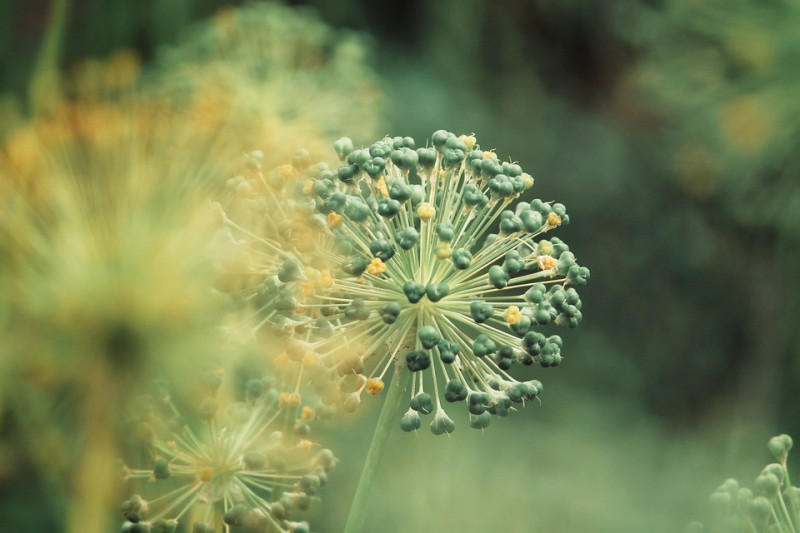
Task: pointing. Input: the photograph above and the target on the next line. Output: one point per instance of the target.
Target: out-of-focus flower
(409, 275)
(106, 266)
(270, 77)
(222, 467)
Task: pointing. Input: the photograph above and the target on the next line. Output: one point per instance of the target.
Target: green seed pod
(513, 262)
(374, 167)
(442, 423)
(161, 469)
(417, 360)
(422, 403)
(414, 291)
(578, 275)
(509, 222)
(779, 446)
(400, 191)
(473, 197)
(343, 147)
(462, 258)
(759, 510)
(455, 391)
(521, 326)
(300, 527)
(498, 277)
(565, 261)
(137, 527)
(767, 484)
(448, 350)
(381, 249)
(439, 138)
(445, 231)
(480, 421)
(410, 421)
(477, 402)
(359, 157)
(532, 220)
(165, 525)
(388, 207)
(408, 159)
(407, 238)
(355, 266)
(347, 174)
(429, 336)
(322, 188)
(357, 310)
(505, 357)
(427, 157)
(480, 311)
(437, 291)
(334, 203)
(290, 270)
(356, 209)
(501, 406)
(390, 311)
(483, 345)
(536, 294)
(417, 194)
(235, 516)
(309, 484)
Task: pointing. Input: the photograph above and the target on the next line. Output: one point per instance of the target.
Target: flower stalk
(387, 421)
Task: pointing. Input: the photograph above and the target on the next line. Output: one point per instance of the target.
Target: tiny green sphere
(437, 291)
(407, 238)
(455, 391)
(480, 311)
(422, 403)
(161, 469)
(400, 191)
(462, 258)
(483, 345)
(498, 277)
(390, 311)
(442, 423)
(429, 337)
(418, 360)
(343, 147)
(414, 291)
(410, 421)
(480, 421)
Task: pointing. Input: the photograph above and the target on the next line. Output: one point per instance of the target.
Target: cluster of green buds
(231, 470)
(440, 270)
(774, 505)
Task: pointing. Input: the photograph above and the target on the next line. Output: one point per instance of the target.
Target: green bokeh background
(687, 359)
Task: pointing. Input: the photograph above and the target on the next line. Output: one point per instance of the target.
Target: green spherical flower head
(457, 306)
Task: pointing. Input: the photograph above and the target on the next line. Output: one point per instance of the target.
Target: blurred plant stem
(387, 421)
(44, 89)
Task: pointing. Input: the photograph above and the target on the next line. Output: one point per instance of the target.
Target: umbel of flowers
(224, 467)
(439, 270)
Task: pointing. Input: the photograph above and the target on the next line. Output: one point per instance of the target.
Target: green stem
(387, 421)
(43, 89)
